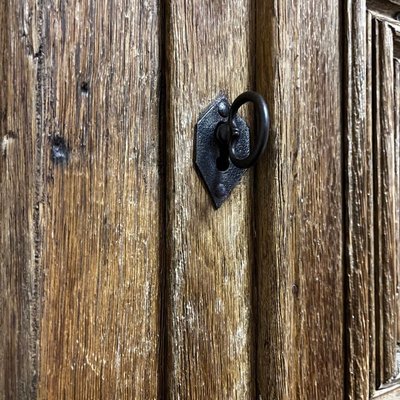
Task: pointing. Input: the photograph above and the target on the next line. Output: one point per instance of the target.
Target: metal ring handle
(261, 128)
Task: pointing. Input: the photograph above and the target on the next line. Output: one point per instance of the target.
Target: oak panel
(397, 186)
(369, 174)
(370, 198)
(385, 271)
(99, 110)
(299, 203)
(209, 268)
(358, 176)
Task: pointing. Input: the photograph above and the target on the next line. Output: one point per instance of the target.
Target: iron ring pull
(261, 128)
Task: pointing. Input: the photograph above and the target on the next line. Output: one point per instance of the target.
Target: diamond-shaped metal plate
(219, 183)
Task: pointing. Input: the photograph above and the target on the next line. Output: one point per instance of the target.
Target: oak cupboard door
(118, 278)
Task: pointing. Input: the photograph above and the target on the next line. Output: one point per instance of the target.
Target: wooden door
(119, 280)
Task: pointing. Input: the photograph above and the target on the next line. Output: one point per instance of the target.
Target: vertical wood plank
(358, 206)
(299, 201)
(210, 254)
(377, 209)
(371, 200)
(19, 195)
(101, 205)
(384, 206)
(397, 186)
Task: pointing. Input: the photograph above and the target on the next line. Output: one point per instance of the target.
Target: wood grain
(299, 203)
(358, 206)
(390, 391)
(387, 8)
(20, 147)
(397, 186)
(384, 205)
(101, 248)
(371, 200)
(210, 254)
(254, 291)
(80, 200)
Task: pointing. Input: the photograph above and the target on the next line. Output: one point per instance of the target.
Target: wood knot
(85, 87)
(59, 150)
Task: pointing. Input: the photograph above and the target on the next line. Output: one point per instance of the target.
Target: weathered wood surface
(210, 257)
(384, 204)
(81, 202)
(385, 7)
(101, 251)
(358, 178)
(389, 394)
(369, 223)
(299, 203)
(370, 197)
(254, 291)
(397, 185)
(20, 145)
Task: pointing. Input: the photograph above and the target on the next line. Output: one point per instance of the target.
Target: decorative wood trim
(358, 203)
(371, 266)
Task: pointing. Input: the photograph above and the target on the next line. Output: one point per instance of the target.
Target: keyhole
(222, 136)
(222, 164)
(223, 159)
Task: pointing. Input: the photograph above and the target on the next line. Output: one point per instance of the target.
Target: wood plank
(210, 255)
(298, 203)
(397, 186)
(371, 200)
(358, 202)
(384, 205)
(19, 213)
(377, 210)
(100, 333)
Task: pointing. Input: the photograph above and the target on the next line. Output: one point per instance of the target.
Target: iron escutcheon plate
(219, 181)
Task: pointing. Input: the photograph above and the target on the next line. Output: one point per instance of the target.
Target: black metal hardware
(223, 151)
